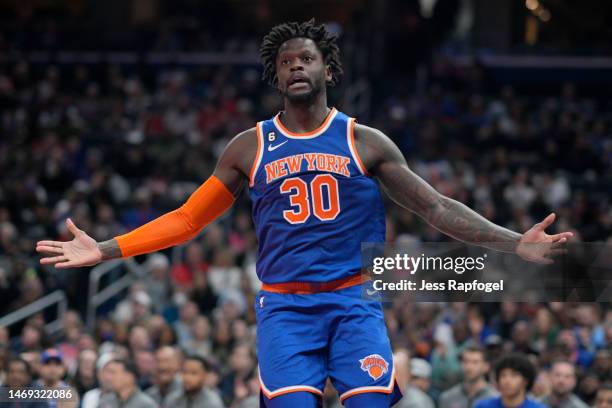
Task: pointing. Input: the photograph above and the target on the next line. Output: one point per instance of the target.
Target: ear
(328, 73)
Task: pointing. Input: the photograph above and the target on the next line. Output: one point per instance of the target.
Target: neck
(125, 392)
(304, 117)
(472, 387)
(194, 392)
(556, 397)
(513, 401)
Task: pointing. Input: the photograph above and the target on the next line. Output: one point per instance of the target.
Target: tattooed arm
(383, 160)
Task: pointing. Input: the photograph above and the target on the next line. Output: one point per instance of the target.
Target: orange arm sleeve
(207, 203)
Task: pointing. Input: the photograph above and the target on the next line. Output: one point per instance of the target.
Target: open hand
(537, 246)
(81, 251)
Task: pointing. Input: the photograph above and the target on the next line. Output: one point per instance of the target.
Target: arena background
(113, 112)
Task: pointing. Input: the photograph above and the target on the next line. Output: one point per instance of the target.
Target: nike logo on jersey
(272, 148)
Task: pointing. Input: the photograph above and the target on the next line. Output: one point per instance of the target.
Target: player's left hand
(537, 246)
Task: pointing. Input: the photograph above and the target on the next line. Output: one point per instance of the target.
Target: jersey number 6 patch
(304, 197)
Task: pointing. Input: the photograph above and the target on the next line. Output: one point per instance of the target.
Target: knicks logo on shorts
(375, 365)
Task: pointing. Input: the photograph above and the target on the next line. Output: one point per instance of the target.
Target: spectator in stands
(474, 385)
(420, 373)
(166, 379)
(85, 377)
(52, 371)
(194, 392)
(604, 396)
(563, 381)
(104, 390)
(242, 365)
(126, 394)
(514, 374)
(413, 397)
(18, 377)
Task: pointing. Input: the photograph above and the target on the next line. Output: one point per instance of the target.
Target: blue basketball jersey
(313, 202)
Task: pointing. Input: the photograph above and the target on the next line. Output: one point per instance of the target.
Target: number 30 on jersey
(306, 199)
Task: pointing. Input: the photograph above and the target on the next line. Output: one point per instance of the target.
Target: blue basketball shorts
(304, 339)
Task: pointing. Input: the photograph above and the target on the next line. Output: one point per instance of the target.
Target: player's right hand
(81, 251)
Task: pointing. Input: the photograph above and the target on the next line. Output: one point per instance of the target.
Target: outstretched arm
(206, 204)
(384, 161)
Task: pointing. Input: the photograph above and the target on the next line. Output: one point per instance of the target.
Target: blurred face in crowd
(167, 365)
(563, 378)
(189, 311)
(201, 328)
(511, 383)
(145, 363)
(241, 360)
(30, 337)
(604, 399)
(87, 363)
(474, 366)
(52, 372)
(139, 338)
(301, 55)
(194, 376)
(119, 376)
(105, 378)
(17, 375)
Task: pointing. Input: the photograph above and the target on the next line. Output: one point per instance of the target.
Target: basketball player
(313, 175)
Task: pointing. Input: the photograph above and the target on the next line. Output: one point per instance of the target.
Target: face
(166, 363)
(474, 365)
(604, 399)
(511, 383)
(17, 375)
(562, 378)
(105, 377)
(52, 371)
(194, 375)
(118, 375)
(301, 70)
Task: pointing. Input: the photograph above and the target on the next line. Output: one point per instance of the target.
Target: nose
(297, 66)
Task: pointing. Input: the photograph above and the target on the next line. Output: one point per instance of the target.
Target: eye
(285, 62)
(307, 58)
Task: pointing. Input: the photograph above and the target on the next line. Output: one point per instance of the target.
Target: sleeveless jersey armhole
(350, 136)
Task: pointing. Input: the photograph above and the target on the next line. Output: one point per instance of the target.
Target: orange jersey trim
(379, 389)
(258, 156)
(206, 204)
(286, 390)
(314, 132)
(353, 148)
(308, 288)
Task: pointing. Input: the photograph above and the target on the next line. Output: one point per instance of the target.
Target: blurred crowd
(114, 148)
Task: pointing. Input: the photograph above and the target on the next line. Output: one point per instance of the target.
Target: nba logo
(271, 136)
(261, 302)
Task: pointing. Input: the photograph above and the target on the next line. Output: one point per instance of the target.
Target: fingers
(49, 243)
(53, 260)
(562, 236)
(49, 250)
(546, 222)
(72, 228)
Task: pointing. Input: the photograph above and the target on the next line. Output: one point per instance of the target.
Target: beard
(304, 97)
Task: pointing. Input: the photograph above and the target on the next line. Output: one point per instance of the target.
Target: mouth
(297, 82)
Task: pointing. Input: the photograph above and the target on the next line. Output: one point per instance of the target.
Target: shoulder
(145, 400)
(212, 398)
(451, 392)
(375, 148)
(487, 403)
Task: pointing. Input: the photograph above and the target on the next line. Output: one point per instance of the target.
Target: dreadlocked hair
(326, 42)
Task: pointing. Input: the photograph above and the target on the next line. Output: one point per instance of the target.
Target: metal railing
(97, 297)
(57, 297)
